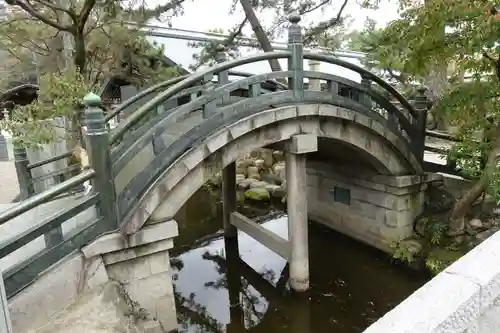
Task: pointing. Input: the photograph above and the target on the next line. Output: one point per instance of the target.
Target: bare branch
(55, 8)
(28, 8)
(236, 33)
(305, 10)
(325, 25)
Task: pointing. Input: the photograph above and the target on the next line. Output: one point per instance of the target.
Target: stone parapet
(464, 298)
(375, 209)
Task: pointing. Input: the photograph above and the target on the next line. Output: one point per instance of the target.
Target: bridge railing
(66, 224)
(137, 163)
(24, 171)
(182, 97)
(450, 165)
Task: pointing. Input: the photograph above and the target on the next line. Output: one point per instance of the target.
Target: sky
(202, 15)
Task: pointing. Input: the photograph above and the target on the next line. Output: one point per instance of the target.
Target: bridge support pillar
(229, 199)
(140, 262)
(296, 180)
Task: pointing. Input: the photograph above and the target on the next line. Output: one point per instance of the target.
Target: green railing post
(221, 57)
(26, 188)
(365, 98)
(98, 149)
(296, 62)
(420, 122)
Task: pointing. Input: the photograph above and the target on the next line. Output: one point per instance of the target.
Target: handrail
(444, 136)
(49, 160)
(164, 84)
(142, 94)
(45, 196)
(364, 73)
(192, 79)
(171, 115)
(19, 87)
(246, 74)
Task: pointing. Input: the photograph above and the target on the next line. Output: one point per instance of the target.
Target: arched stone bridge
(188, 129)
(354, 160)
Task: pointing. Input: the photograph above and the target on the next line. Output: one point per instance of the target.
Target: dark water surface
(352, 285)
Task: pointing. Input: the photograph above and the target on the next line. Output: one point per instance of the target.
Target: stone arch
(392, 154)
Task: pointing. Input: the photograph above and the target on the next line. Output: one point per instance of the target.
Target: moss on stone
(257, 194)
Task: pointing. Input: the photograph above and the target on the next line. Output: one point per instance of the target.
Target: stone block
(401, 218)
(151, 326)
(53, 291)
(139, 268)
(153, 233)
(95, 273)
(117, 241)
(372, 215)
(139, 251)
(302, 144)
(105, 244)
(448, 303)
(488, 322)
(479, 267)
(156, 295)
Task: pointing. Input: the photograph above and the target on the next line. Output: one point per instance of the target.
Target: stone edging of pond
(430, 246)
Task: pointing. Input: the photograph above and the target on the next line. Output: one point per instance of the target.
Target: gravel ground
(9, 187)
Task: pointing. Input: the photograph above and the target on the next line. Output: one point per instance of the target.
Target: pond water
(242, 287)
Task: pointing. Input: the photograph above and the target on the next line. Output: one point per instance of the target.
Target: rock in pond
(278, 156)
(267, 156)
(253, 172)
(245, 183)
(258, 184)
(257, 194)
(270, 178)
(279, 192)
(279, 170)
(475, 223)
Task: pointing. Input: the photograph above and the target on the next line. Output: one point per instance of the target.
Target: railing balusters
(26, 188)
(332, 87)
(314, 84)
(98, 148)
(255, 90)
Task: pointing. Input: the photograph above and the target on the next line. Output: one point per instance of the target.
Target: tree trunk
(260, 34)
(80, 52)
(463, 206)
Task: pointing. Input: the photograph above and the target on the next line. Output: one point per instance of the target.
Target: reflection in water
(240, 286)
